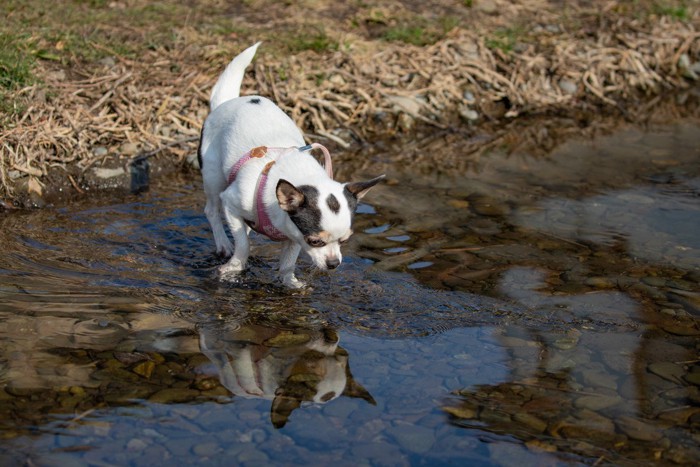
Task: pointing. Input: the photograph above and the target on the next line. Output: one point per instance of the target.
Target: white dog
(259, 173)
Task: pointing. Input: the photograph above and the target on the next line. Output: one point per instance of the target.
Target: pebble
(413, 438)
(565, 343)
(468, 114)
(129, 149)
(598, 379)
(171, 395)
(461, 411)
(597, 403)
(487, 6)
(679, 416)
(411, 105)
(533, 422)
(693, 378)
(486, 206)
(667, 370)
(638, 429)
(600, 282)
(208, 449)
(100, 151)
(568, 86)
(107, 173)
(654, 281)
(107, 61)
(136, 444)
(144, 368)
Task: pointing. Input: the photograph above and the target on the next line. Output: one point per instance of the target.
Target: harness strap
(327, 163)
(262, 224)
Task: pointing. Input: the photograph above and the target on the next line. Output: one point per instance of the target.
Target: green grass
(651, 9)
(504, 39)
(16, 61)
(420, 32)
(677, 11)
(16, 71)
(311, 38)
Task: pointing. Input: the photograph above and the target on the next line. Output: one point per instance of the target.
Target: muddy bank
(348, 75)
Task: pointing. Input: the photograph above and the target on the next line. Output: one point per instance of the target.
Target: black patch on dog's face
(333, 203)
(307, 217)
(254, 100)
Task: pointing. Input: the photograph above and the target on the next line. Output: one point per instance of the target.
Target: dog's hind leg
(239, 230)
(213, 212)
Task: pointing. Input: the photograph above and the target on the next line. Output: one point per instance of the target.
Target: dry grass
(345, 84)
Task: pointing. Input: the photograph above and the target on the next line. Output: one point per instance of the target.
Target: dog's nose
(332, 263)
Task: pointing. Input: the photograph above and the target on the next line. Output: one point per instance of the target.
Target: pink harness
(262, 224)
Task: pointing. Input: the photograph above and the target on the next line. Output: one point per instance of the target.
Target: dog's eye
(315, 242)
(345, 240)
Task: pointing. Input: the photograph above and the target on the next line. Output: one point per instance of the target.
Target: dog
(259, 173)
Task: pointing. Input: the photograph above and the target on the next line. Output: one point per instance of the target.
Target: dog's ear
(282, 407)
(288, 196)
(360, 189)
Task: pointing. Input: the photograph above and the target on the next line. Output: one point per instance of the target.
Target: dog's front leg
(241, 245)
(288, 260)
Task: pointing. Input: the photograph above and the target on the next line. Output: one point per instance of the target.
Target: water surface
(517, 310)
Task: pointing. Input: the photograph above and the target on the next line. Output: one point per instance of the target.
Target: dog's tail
(229, 84)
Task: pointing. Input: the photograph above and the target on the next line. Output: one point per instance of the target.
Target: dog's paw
(230, 270)
(292, 282)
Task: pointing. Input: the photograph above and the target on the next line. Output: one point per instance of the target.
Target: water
(504, 310)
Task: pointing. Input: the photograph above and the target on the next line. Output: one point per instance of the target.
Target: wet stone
(599, 379)
(458, 203)
(486, 206)
(461, 412)
(144, 369)
(413, 438)
(597, 403)
(679, 416)
(667, 370)
(207, 384)
(171, 395)
(208, 449)
(136, 444)
(601, 282)
(638, 429)
(536, 423)
(566, 343)
(693, 378)
(585, 427)
(654, 281)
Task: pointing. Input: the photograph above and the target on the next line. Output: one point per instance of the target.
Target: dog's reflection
(287, 366)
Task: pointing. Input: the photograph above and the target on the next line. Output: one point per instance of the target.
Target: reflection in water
(659, 223)
(123, 360)
(288, 367)
(587, 391)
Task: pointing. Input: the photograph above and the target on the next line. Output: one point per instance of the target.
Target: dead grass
(101, 99)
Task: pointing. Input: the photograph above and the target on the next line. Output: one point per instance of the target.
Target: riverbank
(93, 92)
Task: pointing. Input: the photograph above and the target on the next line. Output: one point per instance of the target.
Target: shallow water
(516, 310)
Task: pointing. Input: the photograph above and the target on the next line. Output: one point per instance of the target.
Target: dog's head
(323, 214)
